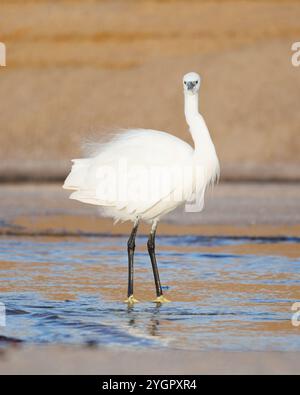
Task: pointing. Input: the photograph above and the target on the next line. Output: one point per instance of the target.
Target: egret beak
(190, 85)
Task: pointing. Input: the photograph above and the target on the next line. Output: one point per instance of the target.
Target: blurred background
(76, 69)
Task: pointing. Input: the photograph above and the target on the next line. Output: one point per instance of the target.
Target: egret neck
(197, 125)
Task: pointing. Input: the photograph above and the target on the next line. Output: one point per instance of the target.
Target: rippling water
(227, 293)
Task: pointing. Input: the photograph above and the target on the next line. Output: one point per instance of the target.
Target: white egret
(123, 176)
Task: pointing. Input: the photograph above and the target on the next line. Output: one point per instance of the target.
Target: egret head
(191, 83)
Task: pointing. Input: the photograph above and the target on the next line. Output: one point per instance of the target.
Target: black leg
(151, 250)
(130, 249)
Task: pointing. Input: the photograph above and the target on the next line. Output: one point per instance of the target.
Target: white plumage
(95, 179)
(143, 174)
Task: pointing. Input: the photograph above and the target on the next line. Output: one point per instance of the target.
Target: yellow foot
(161, 299)
(131, 300)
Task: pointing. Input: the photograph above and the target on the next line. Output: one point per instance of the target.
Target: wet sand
(78, 360)
(255, 268)
(231, 209)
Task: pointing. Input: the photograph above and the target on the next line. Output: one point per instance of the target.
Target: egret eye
(184, 82)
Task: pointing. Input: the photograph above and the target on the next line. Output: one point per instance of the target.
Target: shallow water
(227, 293)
